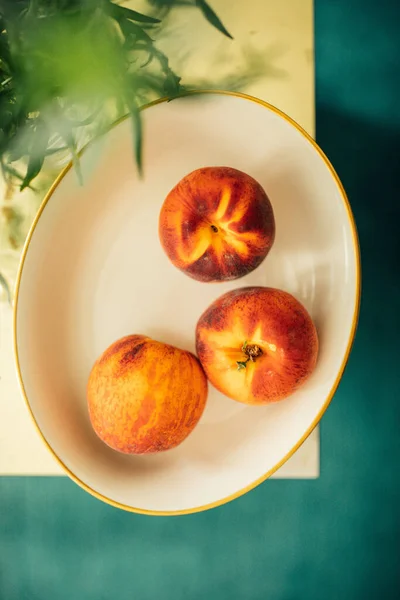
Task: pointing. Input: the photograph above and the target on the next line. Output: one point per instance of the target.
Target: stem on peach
(252, 351)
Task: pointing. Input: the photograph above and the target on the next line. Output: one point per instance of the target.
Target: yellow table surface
(272, 57)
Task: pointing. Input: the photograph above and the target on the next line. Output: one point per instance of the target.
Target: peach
(217, 224)
(145, 396)
(256, 344)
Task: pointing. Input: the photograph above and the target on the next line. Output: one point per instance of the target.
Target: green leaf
(122, 12)
(37, 153)
(70, 141)
(51, 151)
(137, 128)
(6, 288)
(172, 85)
(9, 171)
(16, 149)
(212, 18)
(130, 29)
(147, 61)
(241, 364)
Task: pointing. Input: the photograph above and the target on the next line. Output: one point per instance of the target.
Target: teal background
(334, 538)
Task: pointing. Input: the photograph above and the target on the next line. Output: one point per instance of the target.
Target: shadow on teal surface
(334, 538)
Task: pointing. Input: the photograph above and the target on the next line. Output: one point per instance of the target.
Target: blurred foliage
(4, 286)
(69, 68)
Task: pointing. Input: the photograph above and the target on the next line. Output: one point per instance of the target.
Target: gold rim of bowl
(314, 423)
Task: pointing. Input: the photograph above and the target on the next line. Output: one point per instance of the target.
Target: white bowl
(93, 271)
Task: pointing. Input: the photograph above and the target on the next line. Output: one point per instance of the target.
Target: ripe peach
(217, 224)
(256, 344)
(145, 396)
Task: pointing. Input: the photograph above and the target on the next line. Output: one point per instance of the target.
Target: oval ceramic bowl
(93, 270)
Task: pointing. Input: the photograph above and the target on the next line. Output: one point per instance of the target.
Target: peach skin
(217, 224)
(145, 396)
(257, 345)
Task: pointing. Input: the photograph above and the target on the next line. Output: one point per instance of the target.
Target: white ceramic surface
(93, 270)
